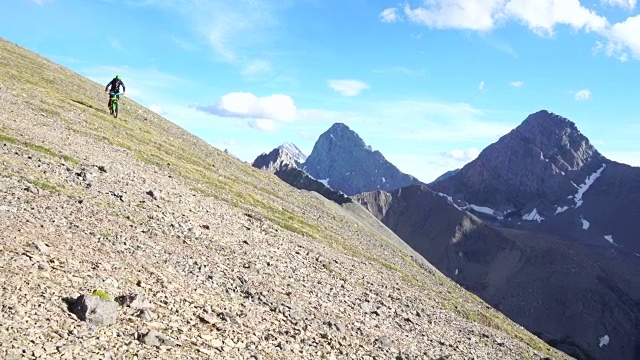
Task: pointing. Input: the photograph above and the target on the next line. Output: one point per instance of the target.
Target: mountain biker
(115, 89)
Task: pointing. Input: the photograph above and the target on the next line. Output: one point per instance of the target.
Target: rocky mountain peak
(340, 134)
(298, 155)
(277, 159)
(556, 138)
(536, 165)
(341, 159)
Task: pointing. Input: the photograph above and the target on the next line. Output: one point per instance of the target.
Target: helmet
(118, 77)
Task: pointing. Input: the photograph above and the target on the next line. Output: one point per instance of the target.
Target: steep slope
(546, 175)
(446, 175)
(568, 294)
(283, 165)
(234, 262)
(342, 159)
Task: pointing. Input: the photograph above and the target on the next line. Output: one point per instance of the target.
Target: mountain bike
(113, 101)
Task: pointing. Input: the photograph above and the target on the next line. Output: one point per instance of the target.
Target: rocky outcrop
(298, 155)
(95, 310)
(342, 159)
(283, 165)
(277, 159)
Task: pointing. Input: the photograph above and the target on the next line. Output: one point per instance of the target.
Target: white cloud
(389, 15)
(625, 4)
(462, 155)
(246, 105)
(612, 49)
(228, 27)
(348, 87)
(42, 2)
(458, 14)
(256, 67)
(540, 16)
(623, 35)
(263, 124)
(517, 84)
(583, 95)
(481, 86)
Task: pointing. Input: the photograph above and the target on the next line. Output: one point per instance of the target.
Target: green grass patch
(36, 148)
(46, 151)
(493, 319)
(102, 294)
(45, 186)
(7, 139)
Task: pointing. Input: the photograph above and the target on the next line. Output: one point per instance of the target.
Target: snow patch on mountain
(561, 209)
(533, 216)
(325, 182)
(477, 208)
(448, 197)
(294, 151)
(483, 209)
(587, 183)
(609, 238)
(604, 341)
(585, 223)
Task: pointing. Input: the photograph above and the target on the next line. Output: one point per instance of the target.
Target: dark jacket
(115, 86)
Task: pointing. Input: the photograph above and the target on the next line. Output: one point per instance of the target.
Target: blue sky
(429, 83)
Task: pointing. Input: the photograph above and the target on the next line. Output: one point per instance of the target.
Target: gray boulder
(94, 310)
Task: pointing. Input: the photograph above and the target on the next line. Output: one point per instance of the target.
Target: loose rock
(95, 311)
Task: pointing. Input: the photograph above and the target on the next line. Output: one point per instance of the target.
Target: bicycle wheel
(115, 109)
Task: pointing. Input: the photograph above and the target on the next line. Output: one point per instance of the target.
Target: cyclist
(114, 92)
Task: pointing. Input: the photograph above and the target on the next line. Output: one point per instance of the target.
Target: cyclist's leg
(110, 100)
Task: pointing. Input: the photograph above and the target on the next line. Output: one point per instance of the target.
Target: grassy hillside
(138, 205)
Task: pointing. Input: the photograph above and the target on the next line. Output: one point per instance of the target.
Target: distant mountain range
(540, 225)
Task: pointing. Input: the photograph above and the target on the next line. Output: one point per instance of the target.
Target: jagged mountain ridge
(538, 280)
(546, 175)
(342, 158)
(283, 164)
